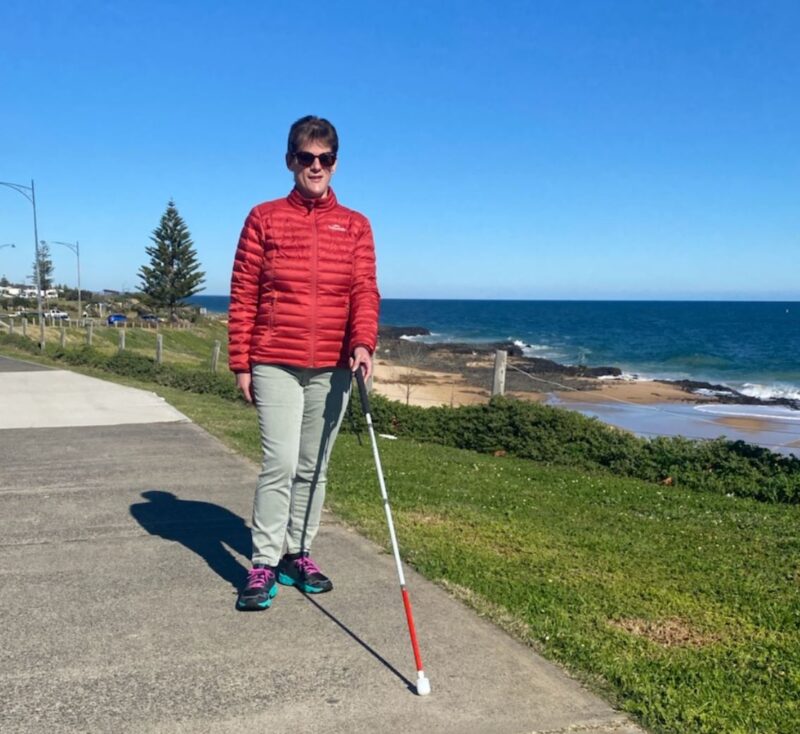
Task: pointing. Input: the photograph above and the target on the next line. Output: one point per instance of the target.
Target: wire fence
(112, 337)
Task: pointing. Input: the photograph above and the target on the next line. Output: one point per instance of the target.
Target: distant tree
(68, 293)
(174, 273)
(4, 281)
(45, 266)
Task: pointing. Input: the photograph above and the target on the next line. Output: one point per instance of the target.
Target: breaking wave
(770, 392)
(767, 412)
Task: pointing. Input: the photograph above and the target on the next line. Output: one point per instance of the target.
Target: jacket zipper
(314, 250)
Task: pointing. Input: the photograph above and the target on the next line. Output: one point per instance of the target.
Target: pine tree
(45, 266)
(174, 273)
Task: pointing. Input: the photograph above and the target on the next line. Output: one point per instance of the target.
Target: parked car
(150, 318)
(55, 313)
(116, 318)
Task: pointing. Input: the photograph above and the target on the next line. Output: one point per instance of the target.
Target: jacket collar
(297, 200)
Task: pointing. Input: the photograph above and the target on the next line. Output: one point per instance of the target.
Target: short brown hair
(312, 128)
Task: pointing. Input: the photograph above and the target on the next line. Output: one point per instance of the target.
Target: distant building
(25, 291)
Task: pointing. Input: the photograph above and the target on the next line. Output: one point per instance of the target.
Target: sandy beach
(423, 387)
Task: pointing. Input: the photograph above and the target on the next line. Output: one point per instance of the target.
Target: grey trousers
(299, 414)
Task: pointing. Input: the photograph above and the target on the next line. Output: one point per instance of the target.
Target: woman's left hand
(361, 356)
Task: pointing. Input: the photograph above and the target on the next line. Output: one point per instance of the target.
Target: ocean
(753, 347)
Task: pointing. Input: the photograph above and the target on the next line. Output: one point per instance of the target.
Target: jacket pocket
(266, 320)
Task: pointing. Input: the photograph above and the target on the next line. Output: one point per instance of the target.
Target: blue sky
(583, 149)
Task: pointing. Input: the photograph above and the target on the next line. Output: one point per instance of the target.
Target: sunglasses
(306, 159)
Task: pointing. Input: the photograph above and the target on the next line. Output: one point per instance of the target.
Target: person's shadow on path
(202, 527)
(206, 529)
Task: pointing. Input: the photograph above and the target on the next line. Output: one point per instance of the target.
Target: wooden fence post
(215, 355)
(89, 330)
(122, 340)
(499, 378)
(63, 335)
(11, 325)
(159, 348)
(24, 326)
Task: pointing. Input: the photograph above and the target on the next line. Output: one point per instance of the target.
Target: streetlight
(76, 248)
(30, 194)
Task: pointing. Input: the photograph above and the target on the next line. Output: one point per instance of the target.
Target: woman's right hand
(244, 382)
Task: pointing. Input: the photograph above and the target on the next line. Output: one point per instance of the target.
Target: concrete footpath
(123, 537)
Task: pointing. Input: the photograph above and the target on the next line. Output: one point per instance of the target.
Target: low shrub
(23, 343)
(561, 437)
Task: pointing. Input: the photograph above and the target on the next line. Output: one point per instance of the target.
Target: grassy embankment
(191, 346)
(681, 607)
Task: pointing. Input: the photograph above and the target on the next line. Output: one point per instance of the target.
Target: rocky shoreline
(475, 362)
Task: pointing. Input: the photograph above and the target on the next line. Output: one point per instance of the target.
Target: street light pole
(76, 248)
(31, 197)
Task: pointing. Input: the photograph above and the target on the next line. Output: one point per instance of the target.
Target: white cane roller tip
(423, 686)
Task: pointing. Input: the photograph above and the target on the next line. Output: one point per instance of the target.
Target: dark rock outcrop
(538, 365)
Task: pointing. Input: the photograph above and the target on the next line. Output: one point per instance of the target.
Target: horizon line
(699, 299)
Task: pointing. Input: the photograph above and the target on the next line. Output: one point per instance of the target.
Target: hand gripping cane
(423, 684)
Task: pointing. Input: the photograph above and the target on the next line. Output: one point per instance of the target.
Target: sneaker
(297, 569)
(259, 590)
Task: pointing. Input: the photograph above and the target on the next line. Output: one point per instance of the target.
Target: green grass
(681, 607)
(580, 564)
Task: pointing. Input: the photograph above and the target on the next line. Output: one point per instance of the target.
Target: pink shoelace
(307, 566)
(258, 578)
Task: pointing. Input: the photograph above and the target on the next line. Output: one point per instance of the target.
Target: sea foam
(625, 377)
(770, 392)
(767, 412)
(425, 338)
(534, 350)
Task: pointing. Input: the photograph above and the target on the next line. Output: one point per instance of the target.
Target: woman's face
(311, 181)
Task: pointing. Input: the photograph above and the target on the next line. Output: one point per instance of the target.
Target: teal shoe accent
(272, 593)
(306, 588)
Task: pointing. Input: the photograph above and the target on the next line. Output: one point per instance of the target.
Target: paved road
(122, 540)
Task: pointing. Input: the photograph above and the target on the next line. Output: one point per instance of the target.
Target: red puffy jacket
(303, 289)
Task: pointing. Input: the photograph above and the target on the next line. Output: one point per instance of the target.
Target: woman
(303, 317)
